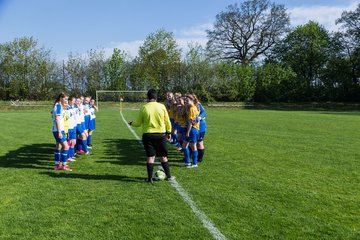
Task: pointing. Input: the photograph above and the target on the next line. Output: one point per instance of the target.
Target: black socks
(150, 168)
(201, 154)
(166, 168)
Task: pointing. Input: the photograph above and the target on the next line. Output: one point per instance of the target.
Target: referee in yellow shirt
(155, 122)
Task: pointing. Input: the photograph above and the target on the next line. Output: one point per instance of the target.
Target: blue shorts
(79, 129)
(182, 130)
(56, 136)
(193, 136)
(87, 122)
(176, 126)
(92, 125)
(83, 126)
(202, 126)
(72, 134)
(201, 136)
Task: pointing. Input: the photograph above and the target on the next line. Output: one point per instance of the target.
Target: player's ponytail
(196, 102)
(61, 95)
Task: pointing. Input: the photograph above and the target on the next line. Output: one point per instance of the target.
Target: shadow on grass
(130, 152)
(93, 177)
(123, 152)
(36, 156)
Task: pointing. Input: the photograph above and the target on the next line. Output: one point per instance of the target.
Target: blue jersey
(202, 115)
(57, 111)
(72, 117)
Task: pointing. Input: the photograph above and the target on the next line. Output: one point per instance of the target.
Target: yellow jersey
(181, 116)
(192, 117)
(153, 118)
(66, 121)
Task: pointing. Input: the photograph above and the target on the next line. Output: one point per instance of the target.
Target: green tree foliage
(159, 58)
(95, 71)
(233, 82)
(275, 82)
(243, 33)
(115, 70)
(304, 64)
(27, 72)
(74, 74)
(349, 46)
(306, 51)
(197, 72)
(350, 21)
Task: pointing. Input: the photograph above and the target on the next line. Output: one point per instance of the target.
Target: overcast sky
(76, 26)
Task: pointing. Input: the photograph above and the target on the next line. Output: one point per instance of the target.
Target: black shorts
(155, 144)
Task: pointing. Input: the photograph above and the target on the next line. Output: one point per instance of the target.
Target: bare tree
(243, 33)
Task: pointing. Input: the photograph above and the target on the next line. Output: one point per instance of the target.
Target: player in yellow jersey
(156, 126)
(192, 132)
(181, 116)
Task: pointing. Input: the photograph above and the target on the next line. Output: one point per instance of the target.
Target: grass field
(266, 175)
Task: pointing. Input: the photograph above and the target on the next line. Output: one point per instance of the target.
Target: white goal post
(121, 94)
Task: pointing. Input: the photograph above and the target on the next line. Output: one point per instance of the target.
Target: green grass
(266, 174)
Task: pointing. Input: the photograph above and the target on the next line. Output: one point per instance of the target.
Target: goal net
(121, 100)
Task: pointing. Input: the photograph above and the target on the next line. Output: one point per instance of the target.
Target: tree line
(252, 54)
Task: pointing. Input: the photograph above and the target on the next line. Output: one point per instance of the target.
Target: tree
(159, 58)
(197, 73)
(233, 82)
(26, 70)
(244, 33)
(306, 51)
(275, 82)
(95, 71)
(74, 74)
(349, 41)
(115, 71)
(350, 21)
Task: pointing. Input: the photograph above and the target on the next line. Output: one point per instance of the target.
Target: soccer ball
(159, 175)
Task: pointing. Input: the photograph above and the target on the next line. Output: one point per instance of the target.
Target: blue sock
(186, 155)
(71, 151)
(84, 145)
(89, 140)
(57, 156)
(174, 138)
(64, 156)
(78, 144)
(195, 157)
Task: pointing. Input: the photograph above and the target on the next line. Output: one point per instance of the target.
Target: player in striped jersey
(61, 152)
(86, 106)
(92, 124)
(72, 128)
(82, 142)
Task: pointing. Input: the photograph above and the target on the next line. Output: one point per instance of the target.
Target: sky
(76, 26)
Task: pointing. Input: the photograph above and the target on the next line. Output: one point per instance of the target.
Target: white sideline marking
(208, 224)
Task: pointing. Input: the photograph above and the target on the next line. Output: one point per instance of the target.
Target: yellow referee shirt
(153, 118)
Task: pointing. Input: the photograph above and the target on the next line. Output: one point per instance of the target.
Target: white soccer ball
(159, 175)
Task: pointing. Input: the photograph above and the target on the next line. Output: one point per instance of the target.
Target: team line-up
(73, 126)
(74, 122)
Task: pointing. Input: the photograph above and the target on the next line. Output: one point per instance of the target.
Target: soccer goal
(128, 100)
